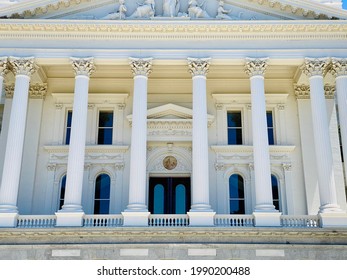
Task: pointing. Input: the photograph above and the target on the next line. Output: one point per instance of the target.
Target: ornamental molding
(36, 91)
(338, 67)
(256, 66)
(303, 91)
(167, 30)
(3, 66)
(141, 66)
(289, 9)
(83, 66)
(198, 66)
(315, 66)
(23, 65)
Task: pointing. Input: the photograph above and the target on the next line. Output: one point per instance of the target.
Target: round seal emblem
(170, 162)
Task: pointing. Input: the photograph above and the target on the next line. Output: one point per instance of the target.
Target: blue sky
(344, 4)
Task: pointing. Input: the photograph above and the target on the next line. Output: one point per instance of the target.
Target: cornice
(249, 149)
(164, 30)
(89, 149)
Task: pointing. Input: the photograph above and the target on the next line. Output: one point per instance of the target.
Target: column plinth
(315, 69)
(201, 213)
(72, 213)
(136, 213)
(23, 68)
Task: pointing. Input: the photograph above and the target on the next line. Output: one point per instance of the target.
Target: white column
(72, 213)
(315, 69)
(137, 213)
(201, 213)
(23, 68)
(339, 70)
(264, 212)
(3, 72)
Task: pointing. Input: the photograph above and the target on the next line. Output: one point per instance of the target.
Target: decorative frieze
(315, 66)
(338, 66)
(141, 66)
(23, 65)
(198, 66)
(256, 66)
(3, 66)
(36, 91)
(83, 66)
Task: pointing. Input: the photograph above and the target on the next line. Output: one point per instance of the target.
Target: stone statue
(221, 12)
(171, 8)
(122, 9)
(145, 10)
(195, 10)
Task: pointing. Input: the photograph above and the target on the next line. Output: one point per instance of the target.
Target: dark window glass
(105, 130)
(158, 199)
(234, 128)
(102, 194)
(68, 127)
(270, 128)
(62, 191)
(275, 192)
(236, 194)
(180, 202)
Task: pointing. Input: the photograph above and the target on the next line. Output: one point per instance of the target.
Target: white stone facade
(169, 83)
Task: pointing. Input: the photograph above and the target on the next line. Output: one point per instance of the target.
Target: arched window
(102, 194)
(158, 207)
(62, 191)
(180, 199)
(275, 192)
(236, 194)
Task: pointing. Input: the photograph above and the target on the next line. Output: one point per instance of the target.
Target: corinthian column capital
(315, 66)
(338, 66)
(256, 66)
(83, 66)
(141, 66)
(3, 66)
(23, 65)
(198, 66)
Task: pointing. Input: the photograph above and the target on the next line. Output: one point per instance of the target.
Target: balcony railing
(168, 221)
(103, 221)
(234, 220)
(220, 220)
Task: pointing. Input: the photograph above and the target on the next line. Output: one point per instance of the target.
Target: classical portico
(173, 113)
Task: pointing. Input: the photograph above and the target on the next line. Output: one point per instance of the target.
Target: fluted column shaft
(23, 68)
(141, 69)
(75, 167)
(339, 70)
(315, 70)
(200, 171)
(255, 68)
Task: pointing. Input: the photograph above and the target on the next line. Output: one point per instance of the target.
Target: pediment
(203, 10)
(170, 113)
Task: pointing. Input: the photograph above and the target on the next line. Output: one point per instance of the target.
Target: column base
(8, 220)
(267, 219)
(69, 219)
(135, 219)
(333, 219)
(201, 219)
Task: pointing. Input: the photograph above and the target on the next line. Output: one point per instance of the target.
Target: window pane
(106, 119)
(236, 194)
(234, 136)
(234, 119)
(102, 187)
(105, 136)
(158, 199)
(62, 192)
(68, 134)
(270, 133)
(269, 119)
(101, 206)
(180, 199)
(275, 192)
